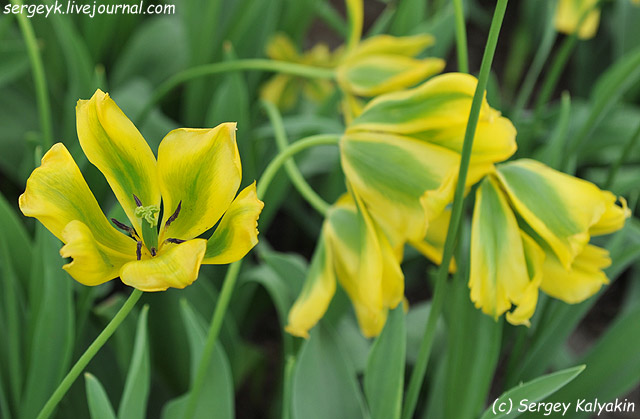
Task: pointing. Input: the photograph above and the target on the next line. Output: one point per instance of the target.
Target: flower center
(149, 217)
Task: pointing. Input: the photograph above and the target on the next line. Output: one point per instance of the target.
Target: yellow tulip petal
(409, 46)
(403, 181)
(93, 263)
(57, 194)
(281, 48)
(437, 112)
(569, 13)
(360, 265)
(559, 207)
(317, 292)
(237, 232)
(534, 256)
(282, 90)
(378, 74)
(499, 275)
(116, 147)
(584, 278)
(200, 170)
(614, 216)
(432, 246)
(176, 267)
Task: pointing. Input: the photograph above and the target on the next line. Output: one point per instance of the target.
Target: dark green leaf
(99, 404)
(133, 404)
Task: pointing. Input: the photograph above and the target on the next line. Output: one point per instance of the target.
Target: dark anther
(122, 226)
(139, 250)
(174, 216)
(153, 251)
(138, 202)
(175, 241)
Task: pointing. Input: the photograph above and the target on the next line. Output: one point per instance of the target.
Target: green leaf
(155, 52)
(324, 382)
(14, 232)
(14, 61)
(217, 391)
(53, 328)
(133, 404)
(409, 14)
(532, 391)
(613, 364)
(384, 377)
(99, 404)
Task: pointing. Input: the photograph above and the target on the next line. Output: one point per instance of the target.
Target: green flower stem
(461, 38)
(235, 65)
(232, 273)
(287, 389)
(39, 79)
(214, 330)
(613, 171)
(292, 170)
(86, 357)
(286, 154)
(419, 370)
(355, 13)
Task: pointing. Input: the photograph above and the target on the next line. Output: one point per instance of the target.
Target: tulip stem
(461, 38)
(88, 355)
(292, 170)
(39, 79)
(287, 153)
(420, 368)
(235, 65)
(214, 330)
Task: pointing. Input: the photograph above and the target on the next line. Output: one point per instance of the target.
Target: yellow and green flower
(531, 230)
(195, 178)
(357, 253)
(401, 155)
(384, 63)
(570, 13)
(284, 89)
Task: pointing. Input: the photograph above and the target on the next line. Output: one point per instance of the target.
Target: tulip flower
(531, 230)
(358, 254)
(195, 177)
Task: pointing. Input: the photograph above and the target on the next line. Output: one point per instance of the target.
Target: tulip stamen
(139, 250)
(174, 215)
(138, 202)
(175, 241)
(122, 226)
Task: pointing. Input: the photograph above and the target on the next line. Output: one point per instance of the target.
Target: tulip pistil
(149, 217)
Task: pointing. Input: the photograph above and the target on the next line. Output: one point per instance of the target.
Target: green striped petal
(499, 275)
(57, 194)
(404, 182)
(437, 112)
(317, 292)
(115, 146)
(237, 232)
(378, 74)
(562, 209)
(200, 170)
(365, 263)
(408, 46)
(173, 267)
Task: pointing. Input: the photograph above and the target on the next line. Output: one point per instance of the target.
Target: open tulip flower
(531, 230)
(356, 251)
(196, 178)
(402, 154)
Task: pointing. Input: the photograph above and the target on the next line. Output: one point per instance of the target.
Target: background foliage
(587, 126)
